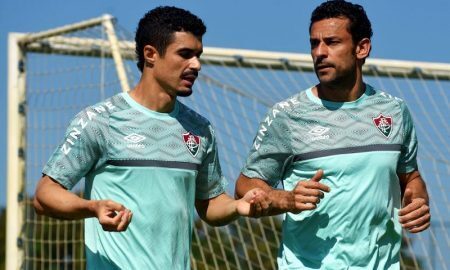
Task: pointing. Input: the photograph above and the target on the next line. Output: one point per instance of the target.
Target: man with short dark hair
(147, 155)
(356, 145)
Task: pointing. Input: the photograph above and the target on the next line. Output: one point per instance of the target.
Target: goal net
(56, 73)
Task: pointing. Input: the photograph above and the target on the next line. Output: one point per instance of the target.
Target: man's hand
(255, 203)
(415, 214)
(113, 216)
(307, 194)
(54, 200)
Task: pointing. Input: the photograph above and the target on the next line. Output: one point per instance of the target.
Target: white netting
(233, 91)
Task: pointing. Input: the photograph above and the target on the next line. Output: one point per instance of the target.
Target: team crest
(192, 143)
(383, 124)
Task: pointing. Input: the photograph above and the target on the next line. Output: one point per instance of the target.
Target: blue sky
(408, 30)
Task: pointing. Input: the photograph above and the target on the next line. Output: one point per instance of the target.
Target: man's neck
(339, 93)
(150, 95)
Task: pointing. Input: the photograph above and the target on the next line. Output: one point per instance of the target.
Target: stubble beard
(338, 81)
(184, 93)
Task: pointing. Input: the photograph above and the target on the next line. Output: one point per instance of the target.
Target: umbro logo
(318, 130)
(135, 140)
(318, 133)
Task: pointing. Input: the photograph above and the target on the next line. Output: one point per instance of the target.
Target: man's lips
(190, 77)
(323, 66)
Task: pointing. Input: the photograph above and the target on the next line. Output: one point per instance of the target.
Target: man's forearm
(218, 211)
(415, 183)
(53, 200)
(281, 201)
(415, 214)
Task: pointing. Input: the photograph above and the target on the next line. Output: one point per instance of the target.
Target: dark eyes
(315, 43)
(187, 54)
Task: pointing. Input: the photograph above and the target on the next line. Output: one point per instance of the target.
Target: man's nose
(195, 64)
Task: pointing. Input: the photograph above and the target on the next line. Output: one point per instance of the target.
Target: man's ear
(150, 55)
(363, 48)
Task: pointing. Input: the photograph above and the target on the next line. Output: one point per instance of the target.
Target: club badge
(192, 143)
(383, 124)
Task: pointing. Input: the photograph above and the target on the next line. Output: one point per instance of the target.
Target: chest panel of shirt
(366, 156)
(314, 128)
(135, 136)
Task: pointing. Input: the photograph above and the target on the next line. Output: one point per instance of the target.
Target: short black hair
(360, 26)
(157, 27)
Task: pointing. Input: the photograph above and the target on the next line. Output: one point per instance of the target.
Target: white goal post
(55, 73)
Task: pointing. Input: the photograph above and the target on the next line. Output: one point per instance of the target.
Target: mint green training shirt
(155, 164)
(361, 146)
